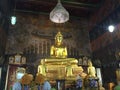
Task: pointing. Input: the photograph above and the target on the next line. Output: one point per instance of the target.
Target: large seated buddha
(58, 52)
(58, 65)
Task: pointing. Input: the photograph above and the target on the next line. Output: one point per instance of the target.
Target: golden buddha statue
(91, 69)
(58, 62)
(58, 50)
(42, 68)
(58, 53)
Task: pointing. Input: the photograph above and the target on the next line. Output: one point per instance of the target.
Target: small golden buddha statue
(42, 68)
(91, 69)
(58, 50)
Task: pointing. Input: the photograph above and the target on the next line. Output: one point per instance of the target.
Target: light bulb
(13, 20)
(111, 28)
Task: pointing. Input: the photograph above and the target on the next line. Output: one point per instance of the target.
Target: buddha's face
(59, 40)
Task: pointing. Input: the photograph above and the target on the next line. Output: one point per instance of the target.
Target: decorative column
(34, 47)
(46, 47)
(38, 47)
(42, 47)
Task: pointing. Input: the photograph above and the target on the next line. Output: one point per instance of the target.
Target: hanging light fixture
(59, 14)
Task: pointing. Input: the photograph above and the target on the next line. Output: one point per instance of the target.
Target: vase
(26, 87)
(38, 87)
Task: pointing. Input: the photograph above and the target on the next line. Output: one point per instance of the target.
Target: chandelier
(59, 14)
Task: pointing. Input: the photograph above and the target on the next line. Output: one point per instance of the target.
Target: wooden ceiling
(76, 8)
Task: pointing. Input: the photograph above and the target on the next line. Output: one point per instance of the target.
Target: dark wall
(4, 24)
(34, 34)
(110, 58)
(5, 10)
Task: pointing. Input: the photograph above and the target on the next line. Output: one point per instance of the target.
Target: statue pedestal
(60, 83)
(61, 68)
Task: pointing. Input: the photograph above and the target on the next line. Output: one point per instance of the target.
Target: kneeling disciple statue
(42, 68)
(91, 70)
(69, 70)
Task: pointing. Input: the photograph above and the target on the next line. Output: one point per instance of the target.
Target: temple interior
(59, 44)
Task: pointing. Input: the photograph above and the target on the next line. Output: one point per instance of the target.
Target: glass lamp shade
(59, 14)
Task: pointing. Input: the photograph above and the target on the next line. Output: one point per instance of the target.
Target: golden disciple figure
(91, 69)
(69, 70)
(42, 68)
(58, 50)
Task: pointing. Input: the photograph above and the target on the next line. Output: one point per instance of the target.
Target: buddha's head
(89, 63)
(58, 38)
(42, 62)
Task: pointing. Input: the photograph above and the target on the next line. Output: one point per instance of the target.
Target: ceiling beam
(65, 3)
